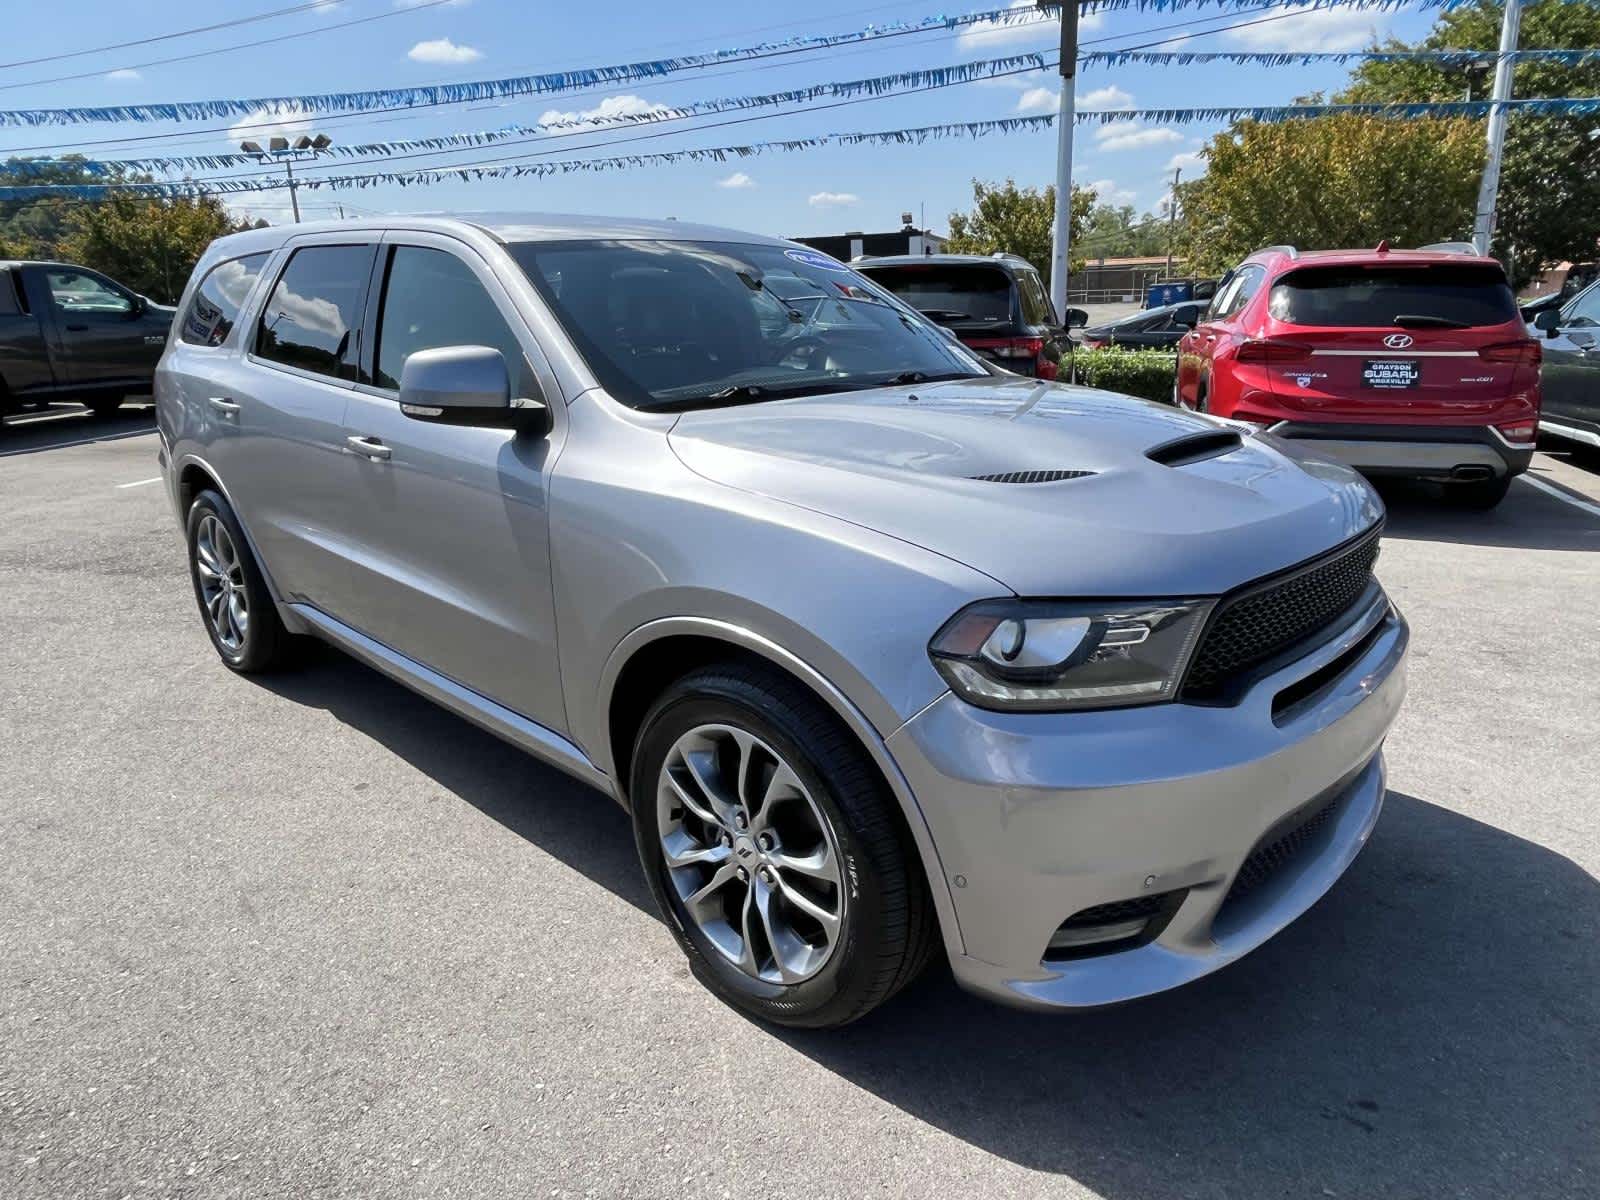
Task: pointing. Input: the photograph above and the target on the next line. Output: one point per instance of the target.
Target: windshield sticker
(812, 258)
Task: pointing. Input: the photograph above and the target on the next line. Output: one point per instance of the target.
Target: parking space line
(89, 441)
(139, 482)
(1551, 489)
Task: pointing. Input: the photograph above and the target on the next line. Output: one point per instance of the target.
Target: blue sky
(823, 191)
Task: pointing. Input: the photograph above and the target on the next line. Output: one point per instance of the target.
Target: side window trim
(258, 311)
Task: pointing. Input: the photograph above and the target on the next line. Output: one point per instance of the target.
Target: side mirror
(1183, 323)
(466, 385)
(1077, 318)
(1548, 320)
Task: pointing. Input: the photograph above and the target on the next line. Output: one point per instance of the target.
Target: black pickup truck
(69, 333)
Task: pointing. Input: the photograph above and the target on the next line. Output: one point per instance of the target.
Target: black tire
(102, 406)
(888, 929)
(1478, 496)
(265, 644)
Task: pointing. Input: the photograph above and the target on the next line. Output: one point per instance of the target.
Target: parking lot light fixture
(279, 149)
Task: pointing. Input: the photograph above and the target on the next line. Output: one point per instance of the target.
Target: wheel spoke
(747, 946)
(819, 864)
(702, 766)
(684, 851)
(720, 878)
(238, 615)
(829, 921)
(693, 803)
(783, 785)
(779, 937)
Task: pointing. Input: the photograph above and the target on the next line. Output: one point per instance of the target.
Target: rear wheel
(774, 851)
(1479, 495)
(234, 602)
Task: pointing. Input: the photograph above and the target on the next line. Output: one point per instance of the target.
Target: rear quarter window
(214, 310)
(1466, 294)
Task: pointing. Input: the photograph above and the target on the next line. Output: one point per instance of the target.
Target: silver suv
(883, 647)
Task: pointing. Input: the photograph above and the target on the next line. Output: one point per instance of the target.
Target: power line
(167, 37)
(421, 6)
(412, 114)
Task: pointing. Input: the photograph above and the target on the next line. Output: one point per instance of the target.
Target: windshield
(1455, 295)
(949, 293)
(677, 324)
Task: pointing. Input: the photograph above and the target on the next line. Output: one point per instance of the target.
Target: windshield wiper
(744, 393)
(1424, 321)
(923, 377)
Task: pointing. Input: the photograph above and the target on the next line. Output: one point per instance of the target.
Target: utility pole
(1172, 217)
(1489, 188)
(1066, 114)
(294, 200)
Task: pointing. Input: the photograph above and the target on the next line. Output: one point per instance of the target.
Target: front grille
(1267, 859)
(1265, 619)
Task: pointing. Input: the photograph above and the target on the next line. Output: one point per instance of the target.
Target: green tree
(1015, 220)
(1549, 202)
(36, 227)
(150, 245)
(1114, 231)
(1330, 182)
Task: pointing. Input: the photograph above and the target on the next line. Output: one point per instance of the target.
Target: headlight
(1048, 654)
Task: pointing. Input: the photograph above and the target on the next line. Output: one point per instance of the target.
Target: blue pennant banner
(266, 107)
(224, 185)
(1183, 58)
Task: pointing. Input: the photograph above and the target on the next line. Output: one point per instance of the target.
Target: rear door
(99, 337)
(1571, 375)
(1195, 349)
(1395, 340)
(24, 357)
(452, 523)
(289, 473)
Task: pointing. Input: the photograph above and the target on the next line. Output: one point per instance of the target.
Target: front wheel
(774, 851)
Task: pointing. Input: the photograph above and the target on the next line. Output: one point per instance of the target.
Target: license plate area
(1391, 374)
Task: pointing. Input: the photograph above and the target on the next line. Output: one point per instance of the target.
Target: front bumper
(1037, 817)
(1427, 451)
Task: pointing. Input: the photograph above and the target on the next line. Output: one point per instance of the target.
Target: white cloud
(737, 180)
(1038, 100)
(1130, 135)
(832, 199)
(1314, 29)
(327, 8)
(443, 50)
(1110, 96)
(1106, 191)
(261, 125)
(995, 38)
(415, 3)
(609, 108)
(1191, 161)
(124, 75)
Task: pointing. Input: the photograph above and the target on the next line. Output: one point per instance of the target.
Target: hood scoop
(1029, 476)
(1195, 447)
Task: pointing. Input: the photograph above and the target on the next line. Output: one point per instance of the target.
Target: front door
(101, 339)
(452, 523)
(1570, 377)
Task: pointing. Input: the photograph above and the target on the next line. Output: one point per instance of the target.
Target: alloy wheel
(750, 854)
(222, 586)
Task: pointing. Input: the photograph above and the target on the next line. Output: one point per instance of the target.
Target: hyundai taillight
(1270, 350)
(1519, 431)
(1523, 353)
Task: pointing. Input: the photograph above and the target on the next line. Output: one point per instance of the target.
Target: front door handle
(368, 447)
(226, 407)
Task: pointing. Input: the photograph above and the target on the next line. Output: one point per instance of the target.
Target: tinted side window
(1035, 304)
(1584, 311)
(8, 294)
(217, 300)
(311, 319)
(1238, 293)
(78, 292)
(430, 299)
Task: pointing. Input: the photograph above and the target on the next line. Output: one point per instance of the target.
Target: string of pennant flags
(880, 85)
(1581, 106)
(512, 87)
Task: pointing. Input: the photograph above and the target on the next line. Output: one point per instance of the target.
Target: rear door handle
(368, 447)
(226, 407)
(77, 329)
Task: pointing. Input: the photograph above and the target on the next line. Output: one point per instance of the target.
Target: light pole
(1172, 216)
(1066, 115)
(279, 149)
(1489, 186)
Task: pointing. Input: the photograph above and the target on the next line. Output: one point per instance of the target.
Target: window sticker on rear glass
(812, 258)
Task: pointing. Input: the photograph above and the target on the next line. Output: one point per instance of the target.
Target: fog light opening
(1120, 925)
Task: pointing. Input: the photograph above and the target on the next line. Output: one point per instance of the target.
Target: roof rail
(1289, 250)
(1451, 248)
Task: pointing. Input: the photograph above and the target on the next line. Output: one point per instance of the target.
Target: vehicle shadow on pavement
(1432, 1028)
(65, 424)
(1527, 519)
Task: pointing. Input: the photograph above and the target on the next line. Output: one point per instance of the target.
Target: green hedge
(1146, 373)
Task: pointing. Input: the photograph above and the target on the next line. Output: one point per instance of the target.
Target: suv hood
(903, 461)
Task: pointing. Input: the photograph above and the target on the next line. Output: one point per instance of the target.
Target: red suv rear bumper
(1462, 452)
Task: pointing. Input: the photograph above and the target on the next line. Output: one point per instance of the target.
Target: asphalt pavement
(309, 936)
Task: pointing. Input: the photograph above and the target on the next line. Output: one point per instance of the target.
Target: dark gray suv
(886, 652)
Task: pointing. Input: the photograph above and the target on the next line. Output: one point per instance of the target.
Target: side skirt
(542, 743)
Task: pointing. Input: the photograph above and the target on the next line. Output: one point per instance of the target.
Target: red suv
(1398, 362)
